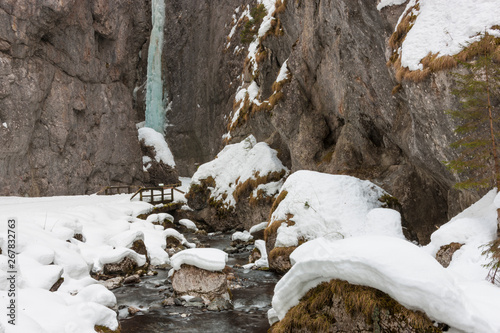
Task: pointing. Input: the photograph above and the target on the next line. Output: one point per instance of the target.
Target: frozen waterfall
(155, 106)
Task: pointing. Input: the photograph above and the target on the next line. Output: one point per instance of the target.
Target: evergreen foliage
(479, 129)
(251, 27)
(479, 115)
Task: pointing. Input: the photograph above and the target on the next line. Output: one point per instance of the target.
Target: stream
(251, 301)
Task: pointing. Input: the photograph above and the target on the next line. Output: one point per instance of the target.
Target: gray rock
(112, 283)
(207, 285)
(132, 279)
(445, 253)
(133, 310)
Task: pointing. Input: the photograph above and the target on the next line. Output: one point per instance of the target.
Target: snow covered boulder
(313, 204)
(237, 188)
(200, 273)
(158, 161)
(122, 262)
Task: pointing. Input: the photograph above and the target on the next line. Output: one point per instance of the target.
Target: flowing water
(251, 301)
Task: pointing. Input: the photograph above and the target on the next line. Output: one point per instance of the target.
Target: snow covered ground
(457, 295)
(445, 27)
(47, 251)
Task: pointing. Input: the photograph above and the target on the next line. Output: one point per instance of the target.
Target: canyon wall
(67, 71)
(342, 111)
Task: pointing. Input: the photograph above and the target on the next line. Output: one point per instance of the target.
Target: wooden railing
(110, 190)
(158, 194)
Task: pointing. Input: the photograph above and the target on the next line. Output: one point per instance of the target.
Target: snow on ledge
(386, 3)
(208, 259)
(445, 27)
(397, 267)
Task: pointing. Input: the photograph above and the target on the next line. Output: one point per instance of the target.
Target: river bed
(251, 301)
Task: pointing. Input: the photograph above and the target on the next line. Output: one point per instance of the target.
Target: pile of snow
(332, 205)
(47, 251)
(188, 224)
(241, 236)
(444, 27)
(156, 140)
(262, 262)
(474, 227)
(208, 259)
(397, 267)
(236, 164)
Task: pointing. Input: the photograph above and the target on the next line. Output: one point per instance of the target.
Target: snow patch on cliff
(445, 27)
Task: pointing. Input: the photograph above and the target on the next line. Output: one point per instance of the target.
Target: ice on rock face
(155, 113)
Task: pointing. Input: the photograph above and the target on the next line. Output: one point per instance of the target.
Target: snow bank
(47, 251)
(236, 164)
(397, 267)
(208, 259)
(156, 140)
(332, 205)
(474, 228)
(445, 27)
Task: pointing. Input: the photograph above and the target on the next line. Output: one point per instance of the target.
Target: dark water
(251, 301)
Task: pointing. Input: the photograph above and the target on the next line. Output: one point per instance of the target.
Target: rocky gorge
(81, 69)
(284, 114)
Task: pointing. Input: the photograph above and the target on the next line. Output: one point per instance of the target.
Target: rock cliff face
(342, 112)
(67, 72)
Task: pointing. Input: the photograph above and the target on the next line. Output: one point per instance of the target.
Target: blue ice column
(155, 110)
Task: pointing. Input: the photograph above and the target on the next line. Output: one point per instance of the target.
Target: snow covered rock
(199, 272)
(313, 204)
(194, 281)
(158, 161)
(337, 306)
(188, 224)
(383, 263)
(237, 187)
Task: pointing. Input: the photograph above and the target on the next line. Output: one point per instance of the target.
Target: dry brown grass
(244, 189)
(280, 6)
(315, 313)
(281, 252)
(486, 46)
(276, 203)
(104, 329)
